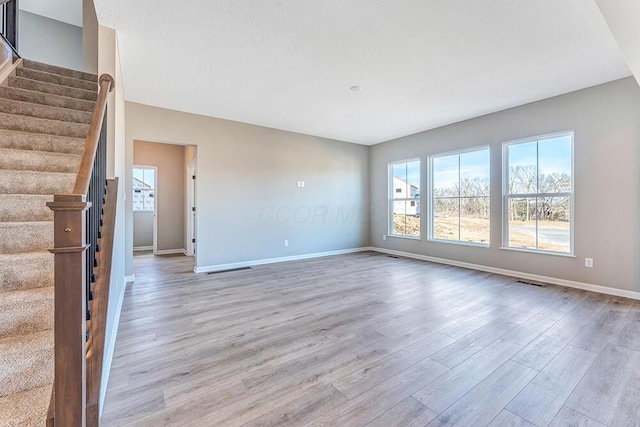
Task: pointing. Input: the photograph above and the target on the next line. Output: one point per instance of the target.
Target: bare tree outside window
(460, 197)
(539, 193)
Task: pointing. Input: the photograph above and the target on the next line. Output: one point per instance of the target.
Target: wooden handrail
(83, 179)
(77, 379)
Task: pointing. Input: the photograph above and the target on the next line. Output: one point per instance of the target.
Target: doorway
(170, 229)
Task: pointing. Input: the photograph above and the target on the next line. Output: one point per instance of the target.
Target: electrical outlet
(384, 237)
(286, 243)
(588, 262)
(302, 184)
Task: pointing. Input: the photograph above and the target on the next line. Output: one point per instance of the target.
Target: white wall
(49, 41)
(109, 62)
(248, 201)
(606, 121)
(89, 37)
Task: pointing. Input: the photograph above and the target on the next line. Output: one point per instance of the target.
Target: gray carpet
(44, 118)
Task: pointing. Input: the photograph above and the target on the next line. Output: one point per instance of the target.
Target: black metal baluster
(96, 195)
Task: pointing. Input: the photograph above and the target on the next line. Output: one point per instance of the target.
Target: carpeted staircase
(44, 119)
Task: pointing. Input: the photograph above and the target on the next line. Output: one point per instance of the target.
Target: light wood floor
(368, 339)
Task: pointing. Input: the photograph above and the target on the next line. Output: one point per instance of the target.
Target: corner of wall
(369, 234)
(90, 51)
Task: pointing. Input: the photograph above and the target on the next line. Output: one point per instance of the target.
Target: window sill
(533, 251)
(398, 236)
(461, 243)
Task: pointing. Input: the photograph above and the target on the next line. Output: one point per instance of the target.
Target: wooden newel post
(70, 322)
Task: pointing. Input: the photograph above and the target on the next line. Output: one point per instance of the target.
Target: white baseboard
(518, 274)
(170, 251)
(528, 276)
(222, 267)
(142, 248)
(111, 345)
(130, 279)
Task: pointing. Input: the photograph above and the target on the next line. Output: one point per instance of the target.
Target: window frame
(506, 196)
(391, 199)
(431, 202)
(154, 189)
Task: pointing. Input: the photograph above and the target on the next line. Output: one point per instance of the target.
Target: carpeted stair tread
(48, 99)
(12, 106)
(26, 271)
(20, 82)
(31, 182)
(45, 126)
(54, 69)
(45, 113)
(25, 409)
(38, 160)
(27, 362)
(16, 237)
(26, 312)
(57, 79)
(25, 207)
(41, 142)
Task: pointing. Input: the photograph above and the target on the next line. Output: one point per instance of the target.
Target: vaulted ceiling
(291, 64)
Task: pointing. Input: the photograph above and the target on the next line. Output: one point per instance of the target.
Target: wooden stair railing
(80, 244)
(100, 305)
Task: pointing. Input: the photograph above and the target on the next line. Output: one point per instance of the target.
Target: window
(460, 197)
(538, 188)
(144, 189)
(404, 200)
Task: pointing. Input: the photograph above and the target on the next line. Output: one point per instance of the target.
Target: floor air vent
(393, 256)
(540, 285)
(228, 271)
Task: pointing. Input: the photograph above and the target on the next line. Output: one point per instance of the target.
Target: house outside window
(144, 189)
(404, 200)
(538, 194)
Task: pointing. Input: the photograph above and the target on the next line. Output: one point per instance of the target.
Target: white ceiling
(69, 11)
(289, 64)
(623, 19)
